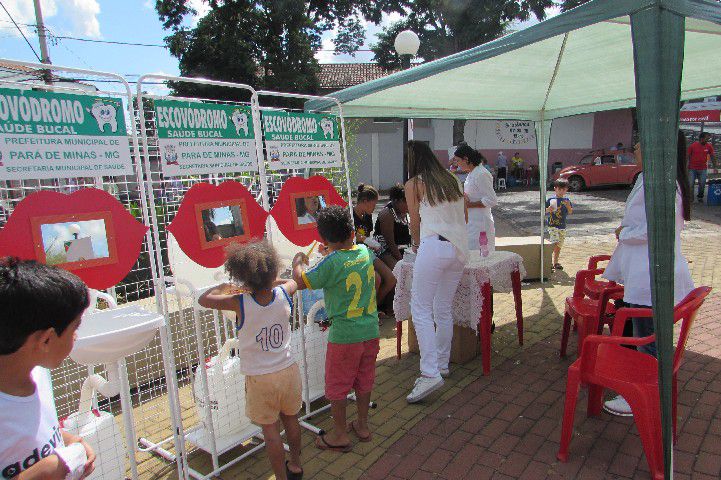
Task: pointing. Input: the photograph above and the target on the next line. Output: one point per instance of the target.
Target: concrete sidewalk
(507, 425)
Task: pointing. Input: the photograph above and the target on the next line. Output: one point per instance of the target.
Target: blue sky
(115, 20)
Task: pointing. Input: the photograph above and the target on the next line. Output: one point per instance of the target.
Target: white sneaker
(618, 406)
(423, 387)
(445, 373)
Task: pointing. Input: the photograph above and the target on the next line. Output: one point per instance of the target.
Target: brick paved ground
(508, 425)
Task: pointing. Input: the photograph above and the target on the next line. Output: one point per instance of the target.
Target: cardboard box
(464, 348)
(530, 249)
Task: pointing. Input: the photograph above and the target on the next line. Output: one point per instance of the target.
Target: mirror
(306, 207)
(222, 222)
(74, 241)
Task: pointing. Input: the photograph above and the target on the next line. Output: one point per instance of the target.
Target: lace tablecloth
(496, 268)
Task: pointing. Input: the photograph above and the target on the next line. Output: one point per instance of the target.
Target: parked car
(601, 167)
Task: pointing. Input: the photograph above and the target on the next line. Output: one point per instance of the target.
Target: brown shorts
(269, 395)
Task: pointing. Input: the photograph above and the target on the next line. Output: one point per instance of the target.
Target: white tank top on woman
(448, 220)
(264, 334)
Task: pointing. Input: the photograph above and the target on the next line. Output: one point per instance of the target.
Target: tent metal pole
(543, 137)
(658, 46)
(555, 74)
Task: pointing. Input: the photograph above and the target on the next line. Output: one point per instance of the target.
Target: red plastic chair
(605, 363)
(593, 288)
(588, 314)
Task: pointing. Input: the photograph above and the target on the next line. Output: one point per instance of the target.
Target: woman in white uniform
(480, 196)
(629, 264)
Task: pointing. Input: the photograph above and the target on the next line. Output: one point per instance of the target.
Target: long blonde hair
(440, 184)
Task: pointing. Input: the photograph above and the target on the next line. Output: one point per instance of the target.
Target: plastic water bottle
(483, 241)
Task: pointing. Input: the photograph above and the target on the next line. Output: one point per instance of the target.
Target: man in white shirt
(501, 165)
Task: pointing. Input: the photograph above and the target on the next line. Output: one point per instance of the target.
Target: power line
(52, 36)
(136, 44)
(112, 42)
(21, 33)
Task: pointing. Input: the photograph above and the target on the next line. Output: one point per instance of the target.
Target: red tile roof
(19, 68)
(336, 76)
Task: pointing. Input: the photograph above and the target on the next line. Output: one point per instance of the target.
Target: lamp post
(406, 45)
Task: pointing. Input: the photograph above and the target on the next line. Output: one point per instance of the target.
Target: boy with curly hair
(272, 377)
(347, 277)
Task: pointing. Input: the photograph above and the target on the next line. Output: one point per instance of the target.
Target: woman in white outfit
(480, 196)
(629, 264)
(438, 232)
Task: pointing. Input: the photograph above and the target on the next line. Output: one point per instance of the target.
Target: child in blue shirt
(558, 207)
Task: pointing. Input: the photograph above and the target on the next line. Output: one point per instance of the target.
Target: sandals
(351, 427)
(324, 445)
(290, 475)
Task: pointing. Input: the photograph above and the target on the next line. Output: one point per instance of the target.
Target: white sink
(106, 336)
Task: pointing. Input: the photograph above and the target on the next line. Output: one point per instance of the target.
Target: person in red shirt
(698, 155)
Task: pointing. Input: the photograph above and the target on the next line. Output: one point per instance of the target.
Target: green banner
(178, 119)
(49, 113)
(60, 135)
(201, 138)
(301, 140)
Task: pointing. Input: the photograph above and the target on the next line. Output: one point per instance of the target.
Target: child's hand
(618, 232)
(549, 209)
(300, 259)
(90, 463)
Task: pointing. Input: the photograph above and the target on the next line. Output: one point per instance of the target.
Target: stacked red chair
(605, 363)
(593, 288)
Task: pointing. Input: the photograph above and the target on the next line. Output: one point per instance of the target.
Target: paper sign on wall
(60, 135)
(196, 138)
(301, 140)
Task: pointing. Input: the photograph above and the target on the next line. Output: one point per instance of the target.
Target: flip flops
(290, 475)
(351, 427)
(324, 445)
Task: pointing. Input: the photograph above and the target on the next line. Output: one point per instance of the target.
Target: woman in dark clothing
(391, 229)
(366, 201)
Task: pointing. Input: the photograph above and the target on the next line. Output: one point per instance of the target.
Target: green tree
(264, 43)
(450, 26)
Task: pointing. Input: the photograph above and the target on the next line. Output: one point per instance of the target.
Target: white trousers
(436, 275)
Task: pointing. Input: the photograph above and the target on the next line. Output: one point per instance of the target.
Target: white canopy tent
(578, 62)
(604, 55)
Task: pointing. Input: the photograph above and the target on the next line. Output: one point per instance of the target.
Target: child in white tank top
(273, 384)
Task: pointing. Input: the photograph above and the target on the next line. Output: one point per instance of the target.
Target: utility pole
(44, 56)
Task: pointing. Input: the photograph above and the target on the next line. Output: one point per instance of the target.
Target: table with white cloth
(472, 304)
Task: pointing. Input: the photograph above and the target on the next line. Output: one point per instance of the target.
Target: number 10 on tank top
(270, 338)
(354, 281)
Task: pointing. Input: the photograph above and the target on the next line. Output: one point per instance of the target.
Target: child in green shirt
(347, 277)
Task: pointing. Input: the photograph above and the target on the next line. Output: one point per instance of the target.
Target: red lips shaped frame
(22, 235)
(203, 196)
(286, 216)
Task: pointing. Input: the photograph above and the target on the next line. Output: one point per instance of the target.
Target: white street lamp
(407, 43)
